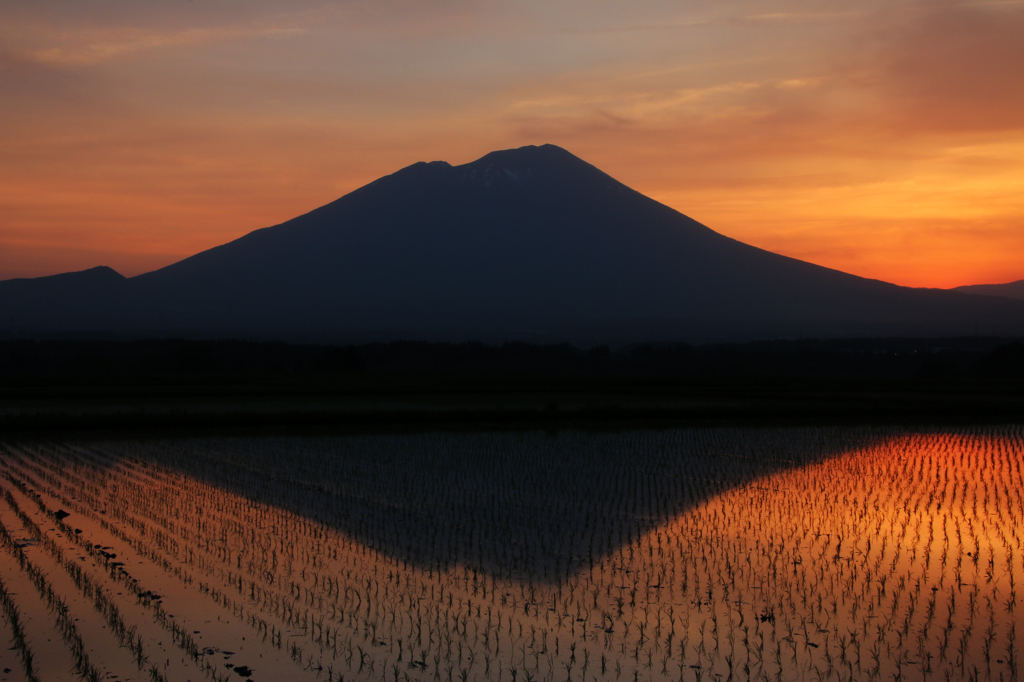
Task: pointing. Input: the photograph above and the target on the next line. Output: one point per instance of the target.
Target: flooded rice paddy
(691, 554)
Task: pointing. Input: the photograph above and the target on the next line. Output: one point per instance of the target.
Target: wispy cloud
(802, 16)
(95, 46)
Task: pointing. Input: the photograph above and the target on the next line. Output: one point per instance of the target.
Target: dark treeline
(240, 363)
(133, 386)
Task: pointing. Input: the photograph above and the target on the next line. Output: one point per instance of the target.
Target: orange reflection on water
(901, 555)
(815, 553)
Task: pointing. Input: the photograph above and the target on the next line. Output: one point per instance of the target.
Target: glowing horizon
(882, 140)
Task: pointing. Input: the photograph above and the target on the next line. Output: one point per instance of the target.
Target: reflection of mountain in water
(514, 505)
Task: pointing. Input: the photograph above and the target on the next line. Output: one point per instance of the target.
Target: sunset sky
(885, 139)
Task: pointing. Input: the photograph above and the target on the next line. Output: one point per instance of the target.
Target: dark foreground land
(106, 385)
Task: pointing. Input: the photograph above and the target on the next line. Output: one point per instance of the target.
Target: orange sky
(885, 139)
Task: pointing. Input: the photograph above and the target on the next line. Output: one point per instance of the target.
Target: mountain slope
(1010, 290)
(529, 243)
(91, 300)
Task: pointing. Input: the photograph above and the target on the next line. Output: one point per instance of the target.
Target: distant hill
(531, 244)
(1011, 290)
(73, 301)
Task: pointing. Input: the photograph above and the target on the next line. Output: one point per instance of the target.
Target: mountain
(72, 301)
(1010, 290)
(530, 243)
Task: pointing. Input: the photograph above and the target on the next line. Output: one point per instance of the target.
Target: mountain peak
(100, 273)
(104, 271)
(531, 167)
(545, 153)
(537, 167)
(530, 157)
(421, 169)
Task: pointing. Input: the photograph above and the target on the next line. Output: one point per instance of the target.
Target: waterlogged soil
(97, 638)
(155, 597)
(50, 655)
(11, 669)
(693, 554)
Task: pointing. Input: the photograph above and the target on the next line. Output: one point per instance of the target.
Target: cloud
(888, 88)
(90, 47)
(947, 66)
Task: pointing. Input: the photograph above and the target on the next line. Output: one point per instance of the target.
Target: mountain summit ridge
(531, 243)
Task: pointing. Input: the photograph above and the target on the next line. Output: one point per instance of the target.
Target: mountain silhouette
(530, 243)
(72, 301)
(1009, 290)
